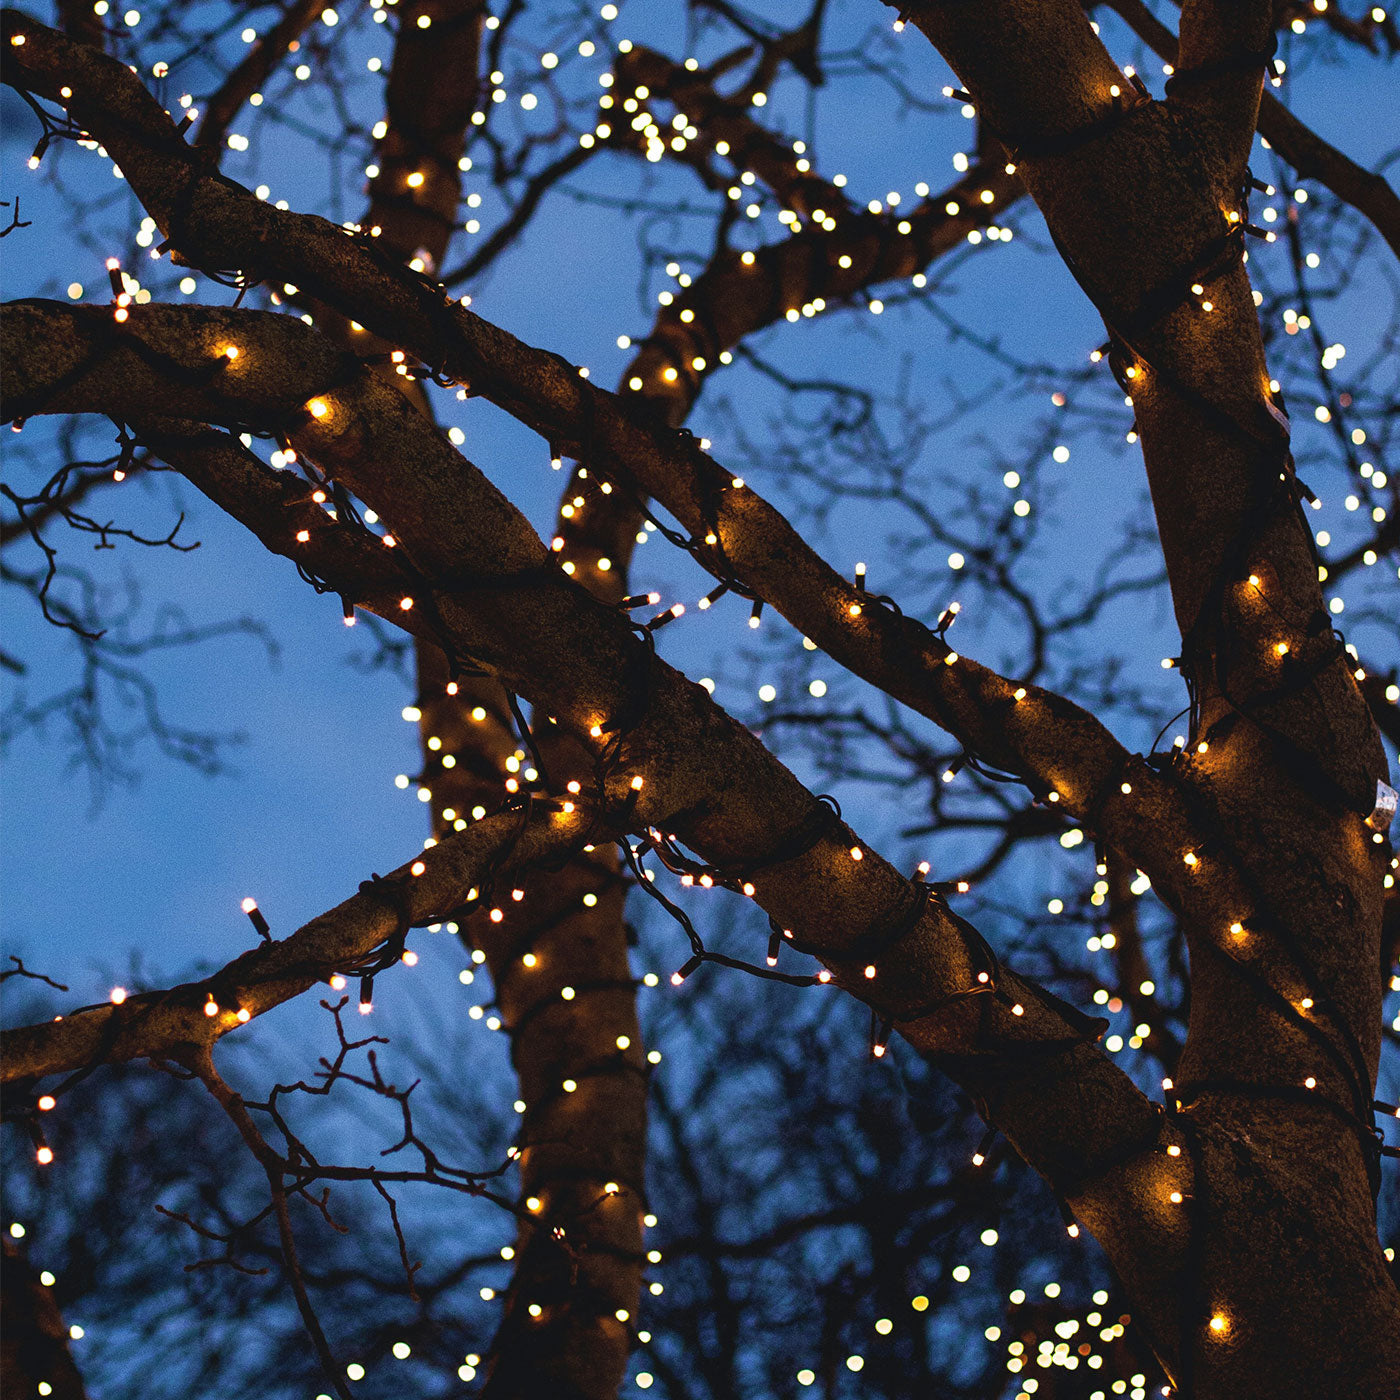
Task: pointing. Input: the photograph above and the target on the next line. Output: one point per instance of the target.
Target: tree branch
(1146, 208)
(36, 1351)
(1312, 157)
(250, 75)
(216, 224)
(165, 1024)
(1224, 50)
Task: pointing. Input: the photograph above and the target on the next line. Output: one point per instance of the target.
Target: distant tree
(812, 1228)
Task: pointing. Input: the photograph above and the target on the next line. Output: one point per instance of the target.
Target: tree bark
(1285, 1291)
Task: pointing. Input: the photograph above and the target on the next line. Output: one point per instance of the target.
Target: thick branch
(431, 95)
(1144, 202)
(1312, 157)
(34, 1352)
(1220, 71)
(738, 294)
(572, 1144)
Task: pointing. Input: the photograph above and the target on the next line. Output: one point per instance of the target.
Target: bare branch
(703, 777)
(263, 57)
(19, 970)
(164, 1024)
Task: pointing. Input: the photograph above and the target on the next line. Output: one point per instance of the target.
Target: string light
(415, 180)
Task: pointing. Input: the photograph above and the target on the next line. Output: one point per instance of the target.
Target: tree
(1240, 1214)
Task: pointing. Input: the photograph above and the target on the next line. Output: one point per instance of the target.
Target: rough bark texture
(604, 1119)
(1308, 154)
(1144, 203)
(578, 1263)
